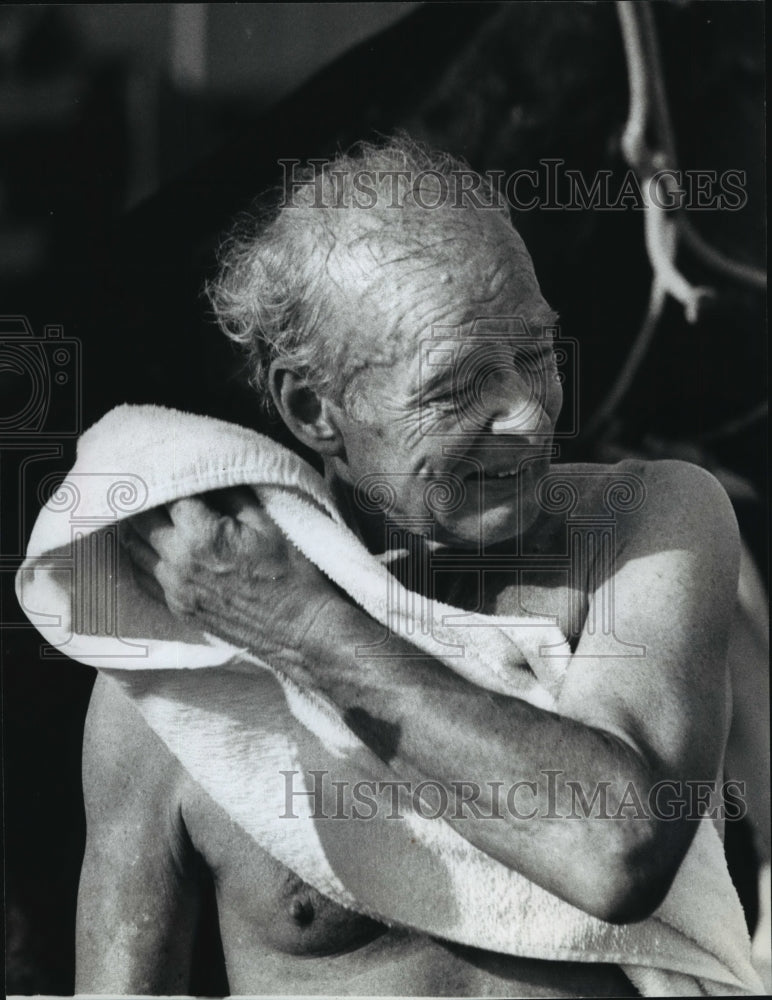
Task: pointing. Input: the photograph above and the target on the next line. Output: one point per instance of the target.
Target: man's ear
(310, 416)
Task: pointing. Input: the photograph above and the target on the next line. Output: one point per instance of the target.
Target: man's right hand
(232, 569)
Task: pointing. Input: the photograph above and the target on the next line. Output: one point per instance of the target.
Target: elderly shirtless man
(333, 297)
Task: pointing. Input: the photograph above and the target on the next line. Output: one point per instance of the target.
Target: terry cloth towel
(251, 737)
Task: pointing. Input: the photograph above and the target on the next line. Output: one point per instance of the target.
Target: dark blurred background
(130, 136)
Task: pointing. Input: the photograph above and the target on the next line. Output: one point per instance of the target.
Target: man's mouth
(496, 474)
(502, 474)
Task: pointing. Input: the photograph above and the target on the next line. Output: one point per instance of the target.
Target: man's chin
(493, 526)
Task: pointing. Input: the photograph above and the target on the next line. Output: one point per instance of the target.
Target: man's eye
(447, 403)
(450, 402)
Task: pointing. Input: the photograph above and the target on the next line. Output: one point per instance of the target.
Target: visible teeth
(502, 475)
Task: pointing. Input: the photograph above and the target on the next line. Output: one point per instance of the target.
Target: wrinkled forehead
(397, 246)
(399, 280)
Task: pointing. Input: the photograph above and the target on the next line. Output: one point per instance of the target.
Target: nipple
(302, 912)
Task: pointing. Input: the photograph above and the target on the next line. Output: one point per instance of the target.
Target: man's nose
(516, 409)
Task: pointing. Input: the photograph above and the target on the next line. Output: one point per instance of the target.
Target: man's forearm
(430, 723)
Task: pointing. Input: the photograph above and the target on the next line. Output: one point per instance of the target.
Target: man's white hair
(337, 226)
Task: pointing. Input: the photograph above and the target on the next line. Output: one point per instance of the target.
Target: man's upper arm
(137, 902)
(674, 589)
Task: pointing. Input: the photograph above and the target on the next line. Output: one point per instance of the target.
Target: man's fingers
(156, 529)
(177, 530)
(142, 555)
(193, 517)
(149, 584)
(208, 534)
(243, 506)
(148, 521)
(226, 530)
(235, 499)
(158, 579)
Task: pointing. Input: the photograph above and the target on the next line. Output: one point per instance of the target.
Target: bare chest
(264, 907)
(280, 935)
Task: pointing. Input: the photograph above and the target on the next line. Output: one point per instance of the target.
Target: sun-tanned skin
(663, 715)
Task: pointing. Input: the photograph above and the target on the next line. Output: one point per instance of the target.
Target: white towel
(250, 736)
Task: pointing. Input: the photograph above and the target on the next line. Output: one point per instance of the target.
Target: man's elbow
(627, 896)
(631, 881)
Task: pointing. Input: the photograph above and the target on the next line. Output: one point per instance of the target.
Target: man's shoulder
(125, 764)
(667, 499)
(664, 472)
